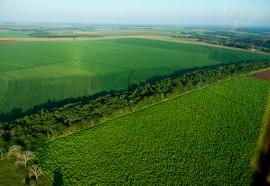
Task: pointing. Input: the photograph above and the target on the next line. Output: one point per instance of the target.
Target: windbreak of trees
(34, 130)
(232, 39)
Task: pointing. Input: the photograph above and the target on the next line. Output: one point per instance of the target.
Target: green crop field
(10, 34)
(35, 73)
(207, 137)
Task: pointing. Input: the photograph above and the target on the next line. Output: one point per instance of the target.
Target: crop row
(42, 70)
(206, 137)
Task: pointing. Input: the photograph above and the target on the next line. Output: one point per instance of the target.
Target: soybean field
(206, 137)
(40, 73)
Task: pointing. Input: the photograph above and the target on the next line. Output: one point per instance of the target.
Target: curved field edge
(99, 65)
(150, 37)
(204, 137)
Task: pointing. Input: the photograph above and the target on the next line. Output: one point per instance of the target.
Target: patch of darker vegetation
(232, 39)
(261, 176)
(88, 35)
(58, 177)
(34, 130)
(42, 34)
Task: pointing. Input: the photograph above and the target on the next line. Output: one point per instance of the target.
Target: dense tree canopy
(34, 130)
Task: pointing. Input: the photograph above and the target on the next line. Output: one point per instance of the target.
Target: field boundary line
(153, 104)
(188, 92)
(145, 107)
(151, 37)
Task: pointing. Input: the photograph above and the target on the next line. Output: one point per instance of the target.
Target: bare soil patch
(262, 75)
(8, 40)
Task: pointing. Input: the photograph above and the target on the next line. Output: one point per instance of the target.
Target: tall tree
(24, 158)
(15, 151)
(35, 170)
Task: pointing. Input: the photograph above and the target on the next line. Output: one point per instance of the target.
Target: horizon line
(137, 24)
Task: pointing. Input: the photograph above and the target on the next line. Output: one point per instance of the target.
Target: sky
(233, 13)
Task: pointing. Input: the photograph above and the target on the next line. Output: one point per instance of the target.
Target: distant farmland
(35, 73)
(14, 34)
(207, 137)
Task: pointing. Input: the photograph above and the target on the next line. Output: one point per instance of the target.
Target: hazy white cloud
(246, 12)
(227, 12)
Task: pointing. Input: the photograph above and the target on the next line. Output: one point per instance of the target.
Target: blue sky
(177, 12)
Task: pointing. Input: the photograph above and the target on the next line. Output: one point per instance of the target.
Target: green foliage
(34, 130)
(42, 73)
(206, 137)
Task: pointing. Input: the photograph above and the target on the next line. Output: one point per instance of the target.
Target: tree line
(34, 130)
(232, 39)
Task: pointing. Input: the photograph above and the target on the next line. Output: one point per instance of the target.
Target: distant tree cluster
(232, 39)
(44, 34)
(34, 130)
